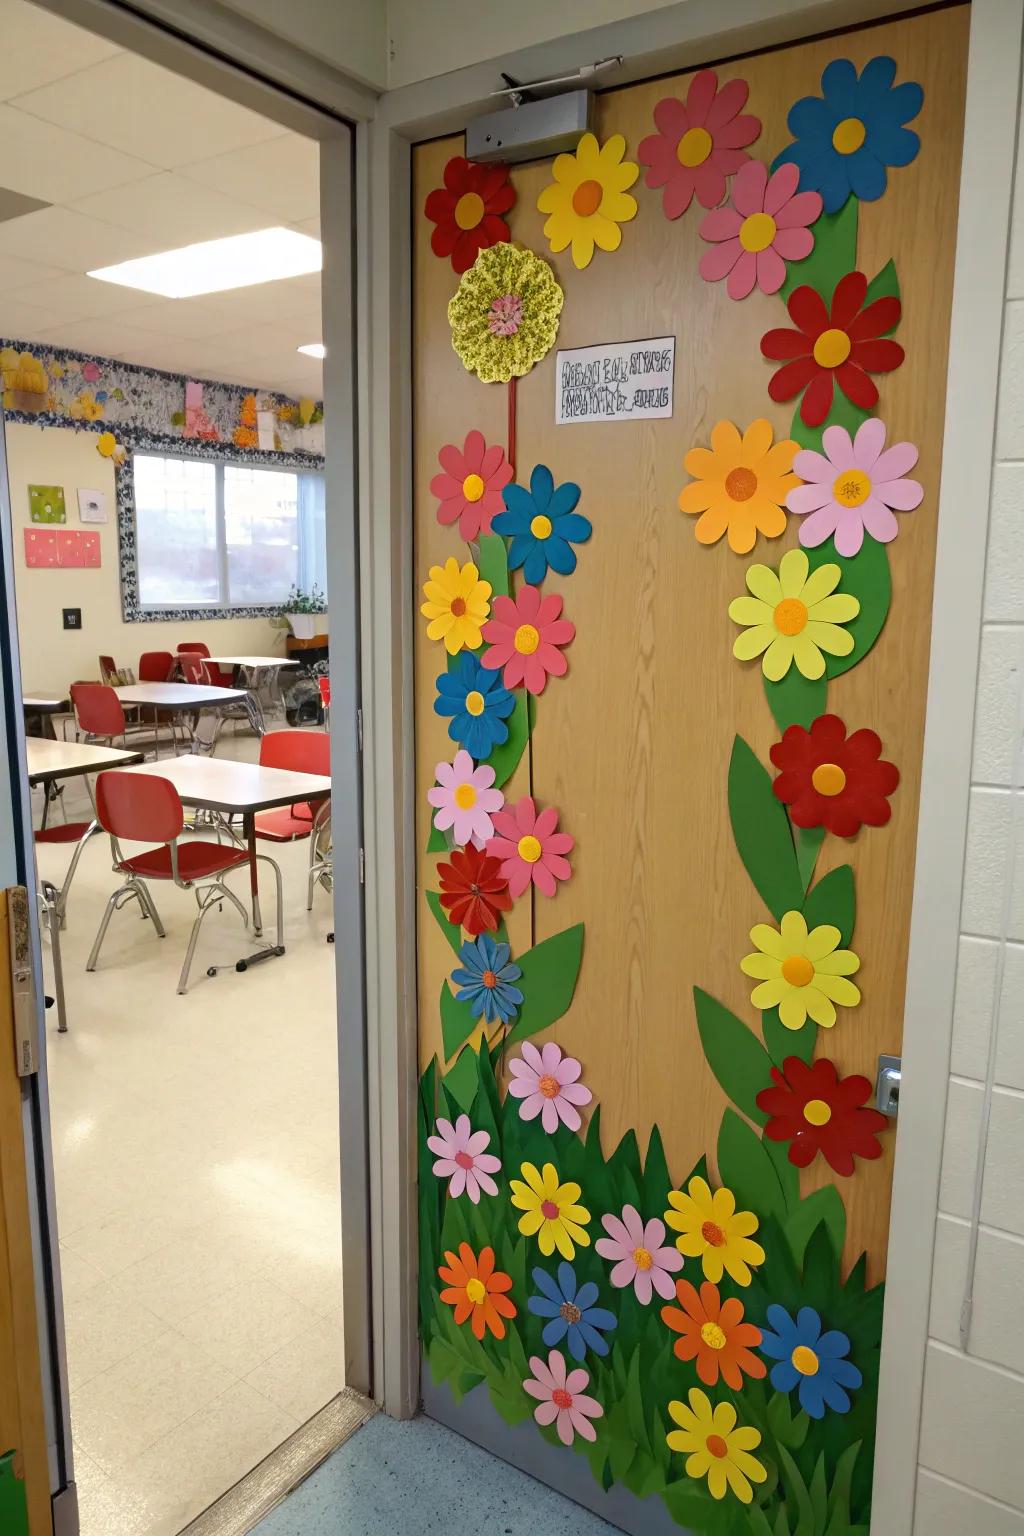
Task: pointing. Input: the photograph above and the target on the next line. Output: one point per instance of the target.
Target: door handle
(887, 1085)
(23, 995)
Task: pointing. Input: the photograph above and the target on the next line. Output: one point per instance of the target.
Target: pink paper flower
(642, 1260)
(547, 1082)
(525, 635)
(765, 227)
(699, 142)
(462, 1157)
(560, 1398)
(91, 372)
(853, 486)
(464, 800)
(470, 488)
(530, 847)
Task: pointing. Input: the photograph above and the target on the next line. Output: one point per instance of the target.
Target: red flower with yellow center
(816, 1110)
(832, 780)
(467, 210)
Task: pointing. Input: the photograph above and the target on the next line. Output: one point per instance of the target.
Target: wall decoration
(715, 1448)
(854, 486)
(26, 387)
(699, 142)
(465, 800)
(477, 1291)
(486, 979)
(77, 549)
(474, 892)
(740, 485)
(639, 1254)
(92, 506)
(615, 381)
(561, 1398)
(543, 526)
(551, 1212)
(587, 203)
(470, 488)
(504, 316)
(714, 1335)
(767, 225)
(525, 636)
(801, 972)
(463, 1159)
(477, 702)
(794, 616)
(529, 847)
(832, 780)
(266, 432)
(46, 504)
(571, 1313)
(41, 548)
(811, 1359)
(547, 1084)
(815, 1110)
(456, 605)
(712, 1230)
(466, 211)
(196, 422)
(108, 447)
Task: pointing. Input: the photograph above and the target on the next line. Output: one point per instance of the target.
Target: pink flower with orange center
(548, 1084)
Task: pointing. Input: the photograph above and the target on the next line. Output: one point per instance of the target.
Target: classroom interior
(165, 463)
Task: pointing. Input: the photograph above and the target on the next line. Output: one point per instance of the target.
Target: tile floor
(195, 1147)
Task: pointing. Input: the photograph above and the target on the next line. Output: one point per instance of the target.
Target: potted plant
(306, 612)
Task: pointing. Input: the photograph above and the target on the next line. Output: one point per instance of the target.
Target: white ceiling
(134, 159)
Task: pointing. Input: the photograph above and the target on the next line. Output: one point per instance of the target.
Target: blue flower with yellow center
(478, 704)
(543, 525)
(809, 1359)
(485, 979)
(571, 1312)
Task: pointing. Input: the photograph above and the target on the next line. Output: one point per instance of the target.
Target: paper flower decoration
(108, 447)
(477, 1290)
(466, 211)
(793, 617)
(530, 847)
(561, 1400)
(550, 1211)
(587, 203)
(571, 1313)
(504, 316)
(469, 490)
(714, 1447)
(478, 704)
(464, 799)
(852, 487)
(548, 1084)
(810, 1359)
(838, 344)
(713, 1230)
(832, 780)
(474, 892)
(699, 142)
(765, 227)
(803, 974)
(486, 979)
(525, 636)
(739, 485)
(637, 1250)
(713, 1334)
(463, 1158)
(543, 526)
(456, 605)
(816, 1110)
(847, 136)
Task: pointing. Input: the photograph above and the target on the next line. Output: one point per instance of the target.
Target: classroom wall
(51, 656)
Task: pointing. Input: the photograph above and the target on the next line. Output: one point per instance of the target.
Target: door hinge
(19, 938)
(359, 728)
(362, 866)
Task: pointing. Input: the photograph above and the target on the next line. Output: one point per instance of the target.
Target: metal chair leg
(108, 913)
(132, 890)
(262, 858)
(209, 900)
(52, 921)
(148, 905)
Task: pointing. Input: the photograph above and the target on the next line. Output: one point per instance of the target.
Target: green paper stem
(866, 577)
(795, 699)
(550, 971)
(761, 829)
(506, 757)
(461, 1080)
(821, 1206)
(451, 933)
(834, 253)
(437, 842)
(833, 900)
(458, 1021)
(808, 841)
(493, 563)
(738, 1060)
(782, 1042)
(745, 1167)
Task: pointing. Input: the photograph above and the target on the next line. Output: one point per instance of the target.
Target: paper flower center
(463, 1159)
(586, 199)
(540, 526)
(829, 779)
(848, 136)
(474, 702)
(489, 979)
(740, 484)
(458, 607)
(712, 1234)
(549, 1086)
(713, 1336)
(694, 147)
(561, 1398)
(529, 849)
(476, 1291)
(465, 797)
(831, 348)
(570, 1312)
(757, 232)
(805, 1360)
(527, 639)
(790, 616)
(505, 315)
(642, 1258)
(817, 1112)
(469, 210)
(717, 1447)
(852, 488)
(797, 970)
(472, 487)
(549, 1210)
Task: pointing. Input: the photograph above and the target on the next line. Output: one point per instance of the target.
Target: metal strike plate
(887, 1085)
(19, 935)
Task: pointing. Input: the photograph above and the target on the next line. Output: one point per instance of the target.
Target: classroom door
(670, 689)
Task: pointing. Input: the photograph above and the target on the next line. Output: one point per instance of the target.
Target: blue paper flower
(814, 1360)
(485, 979)
(478, 704)
(543, 526)
(846, 137)
(572, 1312)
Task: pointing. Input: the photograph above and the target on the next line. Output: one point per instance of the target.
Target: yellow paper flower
(793, 616)
(587, 201)
(550, 1211)
(108, 447)
(740, 485)
(85, 407)
(456, 605)
(713, 1230)
(504, 314)
(802, 974)
(715, 1447)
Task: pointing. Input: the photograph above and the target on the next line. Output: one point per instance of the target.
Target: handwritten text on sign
(616, 381)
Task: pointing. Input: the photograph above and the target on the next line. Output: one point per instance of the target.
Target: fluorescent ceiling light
(313, 349)
(240, 261)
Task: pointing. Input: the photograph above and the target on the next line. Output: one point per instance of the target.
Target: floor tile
(304, 1375)
(103, 1326)
(247, 1324)
(181, 1278)
(77, 1275)
(103, 1504)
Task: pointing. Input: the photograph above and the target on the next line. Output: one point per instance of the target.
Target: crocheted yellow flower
(588, 201)
(504, 315)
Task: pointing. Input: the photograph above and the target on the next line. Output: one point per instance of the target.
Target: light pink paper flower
(530, 847)
(524, 635)
(853, 486)
(465, 800)
(560, 1398)
(470, 488)
(462, 1157)
(699, 142)
(548, 1084)
(765, 227)
(91, 372)
(641, 1259)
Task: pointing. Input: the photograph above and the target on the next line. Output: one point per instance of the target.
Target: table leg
(249, 826)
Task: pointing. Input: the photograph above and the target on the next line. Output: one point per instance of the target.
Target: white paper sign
(615, 381)
(92, 506)
(265, 425)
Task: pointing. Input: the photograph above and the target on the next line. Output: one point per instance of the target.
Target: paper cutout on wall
(465, 800)
(547, 1083)
(832, 780)
(740, 485)
(467, 210)
(702, 1316)
(543, 525)
(26, 387)
(463, 1159)
(562, 1398)
(639, 1254)
(570, 1313)
(530, 848)
(197, 423)
(40, 548)
(552, 1212)
(854, 486)
(477, 1291)
(525, 636)
(712, 1229)
(802, 973)
(46, 504)
(794, 616)
(504, 314)
(469, 489)
(766, 225)
(699, 143)
(815, 1110)
(92, 506)
(108, 447)
(77, 549)
(486, 979)
(587, 203)
(795, 1345)
(456, 605)
(474, 893)
(615, 381)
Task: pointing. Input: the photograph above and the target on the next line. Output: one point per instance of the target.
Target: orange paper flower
(713, 1333)
(477, 1290)
(740, 485)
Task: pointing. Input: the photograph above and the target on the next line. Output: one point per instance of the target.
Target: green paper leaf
(437, 842)
(738, 1060)
(507, 755)
(821, 1206)
(788, 1426)
(745, 1167)
(884, 285)
(796, 1490)
(461, 1081)
(795, 699)
(550, 971)
(451, 933)
(458, 1021)
(783, 1042)
(788, 1175)
(493, 563)
(808, 841)
(761, 829)
(833, 900)
(834, 253)
(819, 1493)
(866, 576)
(839, 1497)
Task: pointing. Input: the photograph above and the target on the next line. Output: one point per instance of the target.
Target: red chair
(215, 676)
(193, 667)
(300, 752)
(324, 685)
(155, 666)
(98, 712)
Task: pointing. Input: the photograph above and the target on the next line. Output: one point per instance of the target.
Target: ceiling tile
(20, 321)
(39, 48)
(48, 162)
(72, 296)
(282, 176)
(172, 211)
(16, 274)
(215, 314)
(69, 239)
(104, 336)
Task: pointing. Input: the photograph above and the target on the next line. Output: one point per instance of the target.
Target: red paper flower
(469, 489)
(467, 209)
(473, 890)
(832, 780)
(816, 1110)
(841, 345)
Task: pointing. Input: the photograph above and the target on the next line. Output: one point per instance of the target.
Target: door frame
(678, 36)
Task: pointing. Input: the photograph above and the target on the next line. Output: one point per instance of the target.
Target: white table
(177, 698)
(45, 705)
